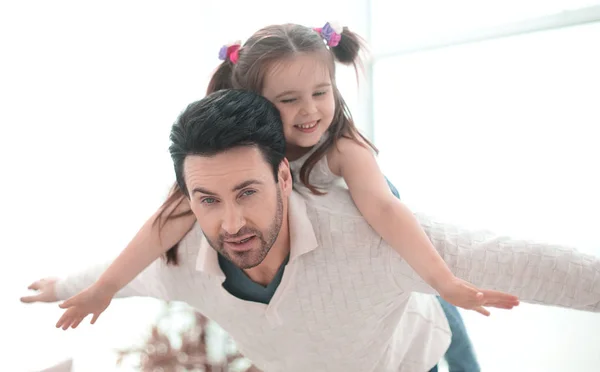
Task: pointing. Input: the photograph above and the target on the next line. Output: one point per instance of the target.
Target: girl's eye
(289, 100)
(320, 93)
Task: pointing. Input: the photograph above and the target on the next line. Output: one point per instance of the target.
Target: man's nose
(233, 219)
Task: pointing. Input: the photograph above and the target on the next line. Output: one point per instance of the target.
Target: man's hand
(46, 291)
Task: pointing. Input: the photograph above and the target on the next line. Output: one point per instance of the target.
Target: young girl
(293, 66)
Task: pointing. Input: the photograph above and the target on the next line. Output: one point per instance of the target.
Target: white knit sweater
(345, 303)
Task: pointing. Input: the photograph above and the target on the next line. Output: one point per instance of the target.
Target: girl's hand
(463, 294)
(92, 300)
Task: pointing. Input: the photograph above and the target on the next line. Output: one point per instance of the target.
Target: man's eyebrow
(246, 184)
(202, 191)
(237, 187)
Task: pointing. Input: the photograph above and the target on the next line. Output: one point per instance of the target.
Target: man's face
(237, 202)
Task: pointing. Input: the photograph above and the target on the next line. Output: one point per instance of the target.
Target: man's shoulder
(342, 231)
(190, 243)
(335, 202)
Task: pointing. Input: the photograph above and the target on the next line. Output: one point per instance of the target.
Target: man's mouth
(240, 239)
(243, 240)
(242, 244)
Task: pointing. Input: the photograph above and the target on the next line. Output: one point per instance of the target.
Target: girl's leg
(460, 354)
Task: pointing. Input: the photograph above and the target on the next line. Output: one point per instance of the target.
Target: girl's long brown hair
(265, 48)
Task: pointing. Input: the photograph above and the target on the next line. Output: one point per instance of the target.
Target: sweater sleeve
(158, 280)
(536, 272)
(150, 282)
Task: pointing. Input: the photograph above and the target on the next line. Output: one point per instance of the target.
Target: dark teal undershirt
(239, 285)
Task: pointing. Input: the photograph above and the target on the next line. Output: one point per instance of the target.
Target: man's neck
(264, 273)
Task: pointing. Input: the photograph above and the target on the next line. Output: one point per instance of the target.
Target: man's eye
(208, 201)
(248, 192)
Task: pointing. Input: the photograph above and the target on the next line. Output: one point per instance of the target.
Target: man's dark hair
(224, 120)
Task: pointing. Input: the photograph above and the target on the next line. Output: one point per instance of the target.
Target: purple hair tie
(331, 34)
(230, 52)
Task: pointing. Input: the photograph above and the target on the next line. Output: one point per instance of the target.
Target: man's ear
(285, 177)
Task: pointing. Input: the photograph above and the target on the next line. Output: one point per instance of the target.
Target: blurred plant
(159, 354)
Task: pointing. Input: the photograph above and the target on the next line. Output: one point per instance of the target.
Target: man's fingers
(30, 299)
(37, 285)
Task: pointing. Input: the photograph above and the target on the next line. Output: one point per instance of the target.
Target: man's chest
(314, 304)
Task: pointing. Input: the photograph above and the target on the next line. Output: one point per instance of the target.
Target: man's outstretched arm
(538, 273)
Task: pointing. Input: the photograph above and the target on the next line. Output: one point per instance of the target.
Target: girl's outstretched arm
(397, 225)
(156, 237)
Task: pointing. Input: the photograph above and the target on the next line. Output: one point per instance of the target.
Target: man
(343, 302)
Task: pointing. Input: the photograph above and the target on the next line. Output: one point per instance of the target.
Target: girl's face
(302, 90)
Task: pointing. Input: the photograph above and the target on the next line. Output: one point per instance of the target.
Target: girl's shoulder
(320, 176)
(326, 172)
(343, 150)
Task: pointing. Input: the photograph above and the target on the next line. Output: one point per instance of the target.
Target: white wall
(502, 135)
(88, 92)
